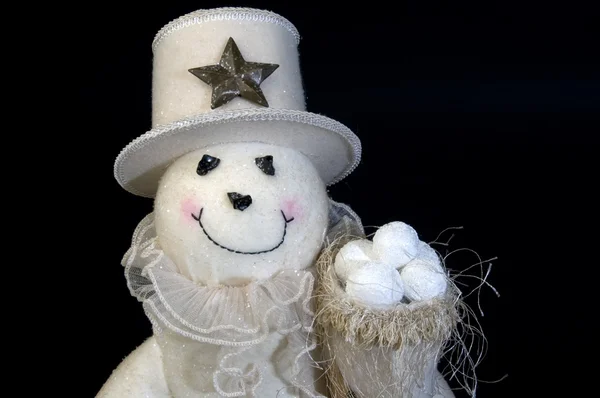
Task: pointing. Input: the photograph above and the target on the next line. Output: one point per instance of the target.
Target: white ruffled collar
(232, 317)
(224, 315)
(235, 318)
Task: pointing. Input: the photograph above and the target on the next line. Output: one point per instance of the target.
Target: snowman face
(233, 213)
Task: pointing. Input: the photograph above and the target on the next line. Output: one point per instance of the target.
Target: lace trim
(235, 318)
(224, 14)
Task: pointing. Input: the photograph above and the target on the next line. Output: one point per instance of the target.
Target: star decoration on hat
(234, 77)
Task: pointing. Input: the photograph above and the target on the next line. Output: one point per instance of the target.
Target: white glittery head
(232, 221)
(183, 118)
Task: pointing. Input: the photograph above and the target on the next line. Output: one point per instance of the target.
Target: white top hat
(230, 75)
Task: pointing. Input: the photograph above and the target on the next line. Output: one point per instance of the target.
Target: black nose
(239, 201)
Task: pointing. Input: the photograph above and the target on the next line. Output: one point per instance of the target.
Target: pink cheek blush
(189, 206)
(292, 208)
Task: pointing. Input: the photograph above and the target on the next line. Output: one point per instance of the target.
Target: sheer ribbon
(235, 318)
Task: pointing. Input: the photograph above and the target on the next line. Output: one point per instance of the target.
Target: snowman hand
(395, 267)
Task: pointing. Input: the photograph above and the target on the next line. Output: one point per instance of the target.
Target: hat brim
(332, 147)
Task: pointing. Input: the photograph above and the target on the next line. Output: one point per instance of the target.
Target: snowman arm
(140, 374)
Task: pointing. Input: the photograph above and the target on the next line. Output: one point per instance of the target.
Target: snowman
(224, 266)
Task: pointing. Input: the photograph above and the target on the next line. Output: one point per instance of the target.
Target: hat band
(224, 14)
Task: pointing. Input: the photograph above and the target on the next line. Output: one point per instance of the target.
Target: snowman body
(227, 280)
(225, 265)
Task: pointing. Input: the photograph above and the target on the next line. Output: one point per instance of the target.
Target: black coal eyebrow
(206, 164)
(265, 163)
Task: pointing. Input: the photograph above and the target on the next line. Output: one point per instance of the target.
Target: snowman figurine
(225, 265)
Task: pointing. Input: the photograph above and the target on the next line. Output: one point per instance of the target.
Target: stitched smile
(286, 221)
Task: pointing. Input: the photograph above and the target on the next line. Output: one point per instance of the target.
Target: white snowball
(375, 285)
(396, 243)
(353, 255)
(422, 281)
(429, 255)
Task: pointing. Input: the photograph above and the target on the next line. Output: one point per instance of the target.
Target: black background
(470, 114)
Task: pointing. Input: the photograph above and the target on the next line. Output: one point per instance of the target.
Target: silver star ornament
(234, 77)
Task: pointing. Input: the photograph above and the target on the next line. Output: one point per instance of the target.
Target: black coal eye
(266, 164)
(206, 164)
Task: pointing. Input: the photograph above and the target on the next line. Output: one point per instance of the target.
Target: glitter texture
(226, 243)
(352, 256)
(422, 281)
(332, 147)
(183, 119)
(224, 14)
(375, 285)
(396, 243)
(216, 339)
(381, 352)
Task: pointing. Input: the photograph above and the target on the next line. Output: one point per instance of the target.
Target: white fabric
(224, 14)
(235, 322)
(378, 372)
(141, 374)
(182, 118)
(332, 147)
(233, 318)
(177, 94)
(295, 190)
